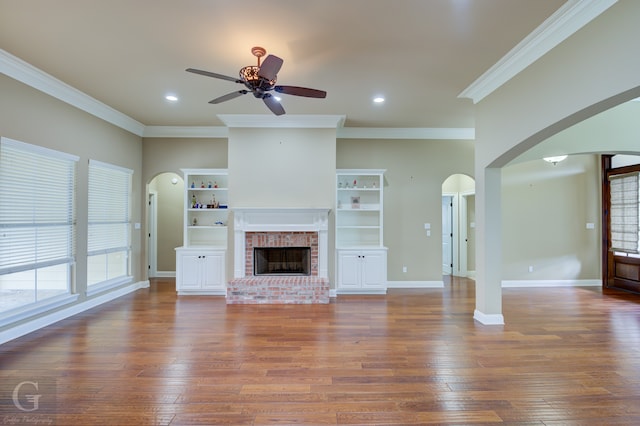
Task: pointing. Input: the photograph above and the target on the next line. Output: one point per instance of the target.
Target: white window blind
(624, 212)
(37, 215)
(109, 223)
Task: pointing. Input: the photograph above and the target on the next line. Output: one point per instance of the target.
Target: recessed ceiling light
(378, 99)
(171, 98)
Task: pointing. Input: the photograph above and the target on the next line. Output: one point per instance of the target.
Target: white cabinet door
(213, 271)
(190, 274)
(349, 268)
(374, 273)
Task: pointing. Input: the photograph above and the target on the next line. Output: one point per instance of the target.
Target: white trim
(406, 133)
(415, 284)
(567, 20)
(341, 132)
(282, 121)
(550, 283)
(26, 73)
(488, 319)
(185, 132)
(44, 321)
(165, 274)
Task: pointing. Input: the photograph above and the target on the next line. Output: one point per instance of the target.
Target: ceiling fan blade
(270, 67)
(273, 104)
(214, 75)
(301, 91)
(229, 96)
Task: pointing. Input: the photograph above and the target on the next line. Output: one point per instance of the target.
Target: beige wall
(32, 117)
(282, 167)
(545, 209)
(416, 170)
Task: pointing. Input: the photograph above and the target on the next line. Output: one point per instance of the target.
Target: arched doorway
(458, 226)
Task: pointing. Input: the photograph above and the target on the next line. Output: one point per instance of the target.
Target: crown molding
(26, 73)
(282, 121)
(405, 133)
(567, 20)
(186, 132)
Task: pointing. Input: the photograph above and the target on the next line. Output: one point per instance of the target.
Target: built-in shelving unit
(361, 255)
(200, 262)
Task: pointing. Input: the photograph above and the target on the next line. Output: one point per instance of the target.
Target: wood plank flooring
(567, 356)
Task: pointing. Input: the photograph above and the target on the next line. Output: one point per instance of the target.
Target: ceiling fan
(260, 80)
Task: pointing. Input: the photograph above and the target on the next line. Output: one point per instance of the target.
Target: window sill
(32, 310)
(107, 285)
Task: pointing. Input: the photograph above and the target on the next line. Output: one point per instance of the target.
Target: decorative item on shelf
(213, 204)
(339, 184)
(202, 184)
(195, 221)
(355, 202)
(193, 184)
(210, 184)
(374, 185)
(194, 201)
(355, 184)
(219, 223)
(215, 184)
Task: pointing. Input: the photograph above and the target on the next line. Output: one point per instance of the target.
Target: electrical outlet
(404, 269)
(530, 268)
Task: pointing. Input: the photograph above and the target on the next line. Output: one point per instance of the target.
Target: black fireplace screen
(282, 261)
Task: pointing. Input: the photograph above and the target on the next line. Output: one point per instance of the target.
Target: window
(37, 224)
(625, 213)
(109, 233)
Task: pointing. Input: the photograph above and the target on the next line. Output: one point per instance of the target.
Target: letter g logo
(33, 399)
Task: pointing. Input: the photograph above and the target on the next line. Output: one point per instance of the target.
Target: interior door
(447, 234)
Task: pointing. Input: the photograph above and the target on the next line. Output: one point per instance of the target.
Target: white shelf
(361, 225)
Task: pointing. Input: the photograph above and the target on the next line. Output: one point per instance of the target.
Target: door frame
(152, 234)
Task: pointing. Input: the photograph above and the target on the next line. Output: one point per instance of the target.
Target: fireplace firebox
(281, 261)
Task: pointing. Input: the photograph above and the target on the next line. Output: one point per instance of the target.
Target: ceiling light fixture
(555, 160)
(171, 98)
(378, 99)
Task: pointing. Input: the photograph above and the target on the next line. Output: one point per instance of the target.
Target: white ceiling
(419, 54)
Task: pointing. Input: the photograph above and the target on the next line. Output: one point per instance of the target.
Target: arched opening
(458, 226)
(164, 223)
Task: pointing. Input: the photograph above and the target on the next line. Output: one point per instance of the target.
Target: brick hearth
(278, 289)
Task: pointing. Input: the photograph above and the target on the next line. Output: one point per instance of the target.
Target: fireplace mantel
(288, 219)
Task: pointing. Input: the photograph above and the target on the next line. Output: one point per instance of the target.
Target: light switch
(427, 226)
(136, 225)
(591, 225)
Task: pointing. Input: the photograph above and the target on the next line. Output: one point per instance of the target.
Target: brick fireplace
(279, 228)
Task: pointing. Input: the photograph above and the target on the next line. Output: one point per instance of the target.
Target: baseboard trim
(165, 274)
(46, 320)
(551, 283)
(488, 319)
(415, 284)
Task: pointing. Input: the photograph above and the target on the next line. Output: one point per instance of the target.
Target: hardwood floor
(567, 356)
